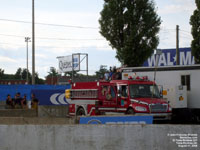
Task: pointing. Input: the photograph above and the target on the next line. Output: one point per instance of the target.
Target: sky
(79, 33)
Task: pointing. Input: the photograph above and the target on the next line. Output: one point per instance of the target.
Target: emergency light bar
(143, 78)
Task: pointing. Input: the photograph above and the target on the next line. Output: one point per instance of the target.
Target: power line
(163, 32)
(49, 38)
(48, 24)
(51, 47)
(162, 28)
(11, 44)
(166, 38)
(185, 31)
(19, 36)
(185, 34)
(189, 35)
(186, 37)
(68, 39)
(167, 31)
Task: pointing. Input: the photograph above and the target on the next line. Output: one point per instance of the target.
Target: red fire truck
(137, 96)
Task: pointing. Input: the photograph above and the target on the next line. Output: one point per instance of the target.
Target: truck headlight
(140, 108)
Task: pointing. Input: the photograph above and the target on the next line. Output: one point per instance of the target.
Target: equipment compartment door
(108, 96)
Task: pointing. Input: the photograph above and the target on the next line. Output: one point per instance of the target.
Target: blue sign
(168, 58)
(50, 97)
(75, 62)
(26, 89)
(117, 120)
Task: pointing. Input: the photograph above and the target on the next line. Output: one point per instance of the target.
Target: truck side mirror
(160, 87)
(161, 91)
(119, 95)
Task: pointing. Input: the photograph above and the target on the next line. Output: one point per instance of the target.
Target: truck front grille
(158, 108)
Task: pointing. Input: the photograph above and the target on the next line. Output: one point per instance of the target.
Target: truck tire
(80, 112)
(130, 111)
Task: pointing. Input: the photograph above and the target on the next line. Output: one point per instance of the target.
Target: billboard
(26, 89)
(168, 58)
(117, 120)
(69, 63)
(50, 97)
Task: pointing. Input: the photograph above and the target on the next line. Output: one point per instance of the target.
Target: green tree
(69, 74)
(18, 74)
(38, 80)
(131, 27)
(195, 22)
(102, 70)
(1, 73)
(52, 72)
(21, 74)
(5, 76)
(24, 75)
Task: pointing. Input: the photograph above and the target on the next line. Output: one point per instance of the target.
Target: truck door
(122, 100)
(108, 97)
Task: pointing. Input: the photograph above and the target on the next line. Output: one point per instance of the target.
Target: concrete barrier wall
(53, 111)
(93, 137)
(43, 111)
(36, 121)
(18, 113)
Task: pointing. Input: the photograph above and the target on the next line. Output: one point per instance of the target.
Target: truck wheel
(80, 112)
(130, 111)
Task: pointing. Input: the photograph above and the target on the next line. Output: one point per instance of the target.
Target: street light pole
(33, 43)
(27, 39)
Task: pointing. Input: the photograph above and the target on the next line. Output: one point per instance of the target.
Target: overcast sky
(71, 38)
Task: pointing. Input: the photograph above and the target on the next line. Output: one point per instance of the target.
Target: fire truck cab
(137, 96)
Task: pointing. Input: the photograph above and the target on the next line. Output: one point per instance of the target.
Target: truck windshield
(144, 90)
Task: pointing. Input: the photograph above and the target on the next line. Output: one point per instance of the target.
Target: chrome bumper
(157, 116)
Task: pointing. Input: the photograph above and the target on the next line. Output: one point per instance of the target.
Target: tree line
(21, 74)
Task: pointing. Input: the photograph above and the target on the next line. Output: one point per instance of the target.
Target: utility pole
(33, 43)
(177, 46)
(87, 65)
(27, 39)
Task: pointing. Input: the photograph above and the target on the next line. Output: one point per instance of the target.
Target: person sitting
(9, 102)
(34, 101)
(24, 102)
(18, 100)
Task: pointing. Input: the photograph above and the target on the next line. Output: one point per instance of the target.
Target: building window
(185, 80)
